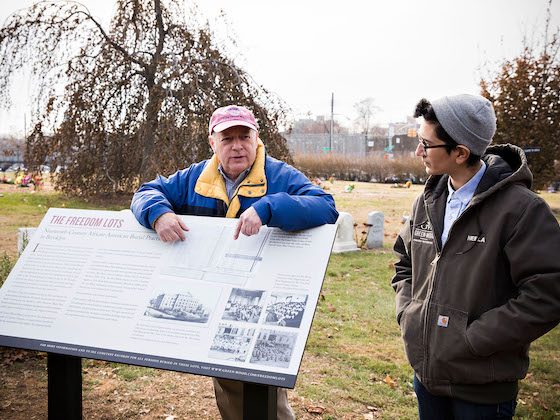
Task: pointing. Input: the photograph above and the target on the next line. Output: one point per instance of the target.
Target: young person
(478, 276)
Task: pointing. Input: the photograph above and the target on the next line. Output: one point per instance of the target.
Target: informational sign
(96, 284)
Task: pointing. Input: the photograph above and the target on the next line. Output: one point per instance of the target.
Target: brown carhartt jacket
(469, 310)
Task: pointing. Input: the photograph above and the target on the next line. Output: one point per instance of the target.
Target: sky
(394, 51)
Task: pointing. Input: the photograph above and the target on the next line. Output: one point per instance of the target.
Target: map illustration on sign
(223, 260)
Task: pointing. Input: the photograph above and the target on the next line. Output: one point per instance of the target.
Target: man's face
(236, 148)
(436, 160)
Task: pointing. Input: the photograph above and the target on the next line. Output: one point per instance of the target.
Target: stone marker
(376, 230)
(344, 240)
(405, 219)
(23, 237)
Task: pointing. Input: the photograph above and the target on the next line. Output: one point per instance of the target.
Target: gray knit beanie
(469, 120)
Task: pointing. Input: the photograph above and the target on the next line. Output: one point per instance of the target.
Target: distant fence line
(345, 144)
(349, 144)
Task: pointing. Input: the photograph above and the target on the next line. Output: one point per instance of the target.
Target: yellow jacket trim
(211, 184)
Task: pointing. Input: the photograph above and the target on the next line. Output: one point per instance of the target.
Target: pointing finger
(237, 230)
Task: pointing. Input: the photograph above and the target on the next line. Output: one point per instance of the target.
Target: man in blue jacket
(241, 181)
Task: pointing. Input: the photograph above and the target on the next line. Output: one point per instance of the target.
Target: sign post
(259, 401)
(64, 387)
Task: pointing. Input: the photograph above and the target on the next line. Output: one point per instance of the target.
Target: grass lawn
(354, 366)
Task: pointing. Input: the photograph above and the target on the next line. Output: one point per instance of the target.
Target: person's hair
(425, 110)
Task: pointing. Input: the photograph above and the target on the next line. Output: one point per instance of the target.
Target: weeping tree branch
(131, 100)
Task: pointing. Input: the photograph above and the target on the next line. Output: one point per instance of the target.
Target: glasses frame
(426, 146)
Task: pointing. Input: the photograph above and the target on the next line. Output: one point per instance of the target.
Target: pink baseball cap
(229, 116)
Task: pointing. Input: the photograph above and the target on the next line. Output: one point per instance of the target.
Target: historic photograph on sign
(273, 348)
(231, 342)
(194, 304)
(244, 305)
(285, 309)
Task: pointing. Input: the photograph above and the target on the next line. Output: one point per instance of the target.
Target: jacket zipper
(434, 263)
(426, 328)
(237, 192)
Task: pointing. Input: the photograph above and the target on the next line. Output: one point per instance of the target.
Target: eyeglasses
(425, 146)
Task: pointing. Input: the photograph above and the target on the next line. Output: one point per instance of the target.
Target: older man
(479, 275)
(240, 180)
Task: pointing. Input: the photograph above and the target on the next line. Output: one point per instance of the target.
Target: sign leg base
(64, 387)
(259, 401)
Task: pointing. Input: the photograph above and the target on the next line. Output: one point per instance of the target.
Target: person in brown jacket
(478, 276)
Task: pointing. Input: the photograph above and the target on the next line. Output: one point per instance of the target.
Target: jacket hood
(506, 164)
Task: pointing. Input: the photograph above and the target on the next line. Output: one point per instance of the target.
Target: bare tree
(118, 106)
(366, 110)
(317, 126)
(526, 96)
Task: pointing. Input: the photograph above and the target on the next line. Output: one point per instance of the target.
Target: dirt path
(106, 394)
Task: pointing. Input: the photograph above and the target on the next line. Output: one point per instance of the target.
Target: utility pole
(332, 122)
(24, 133)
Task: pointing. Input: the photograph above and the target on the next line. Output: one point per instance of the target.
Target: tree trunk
(148, 167)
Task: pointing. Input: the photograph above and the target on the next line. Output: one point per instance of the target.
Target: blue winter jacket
(281, 195)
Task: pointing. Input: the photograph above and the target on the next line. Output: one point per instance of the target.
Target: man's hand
(249, 223)
(170, 228)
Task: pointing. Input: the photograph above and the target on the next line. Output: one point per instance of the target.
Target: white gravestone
(344, 241)
(375, 234)
(23, 237)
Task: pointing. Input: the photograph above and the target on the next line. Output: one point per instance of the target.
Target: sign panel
(97, 284)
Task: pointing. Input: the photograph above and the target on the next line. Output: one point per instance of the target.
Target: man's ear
(211, 141)
(463, 154)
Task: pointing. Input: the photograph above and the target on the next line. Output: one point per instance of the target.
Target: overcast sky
(394, 51)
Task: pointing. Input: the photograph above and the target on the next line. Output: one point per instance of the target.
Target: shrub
(6, 265)
(364, 168)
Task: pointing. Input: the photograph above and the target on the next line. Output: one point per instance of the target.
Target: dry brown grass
(354, 366)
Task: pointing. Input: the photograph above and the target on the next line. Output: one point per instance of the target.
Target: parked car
(16, 167)
(392, 179)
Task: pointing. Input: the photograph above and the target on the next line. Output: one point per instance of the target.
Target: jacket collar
(506, 164)
(211, 184)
